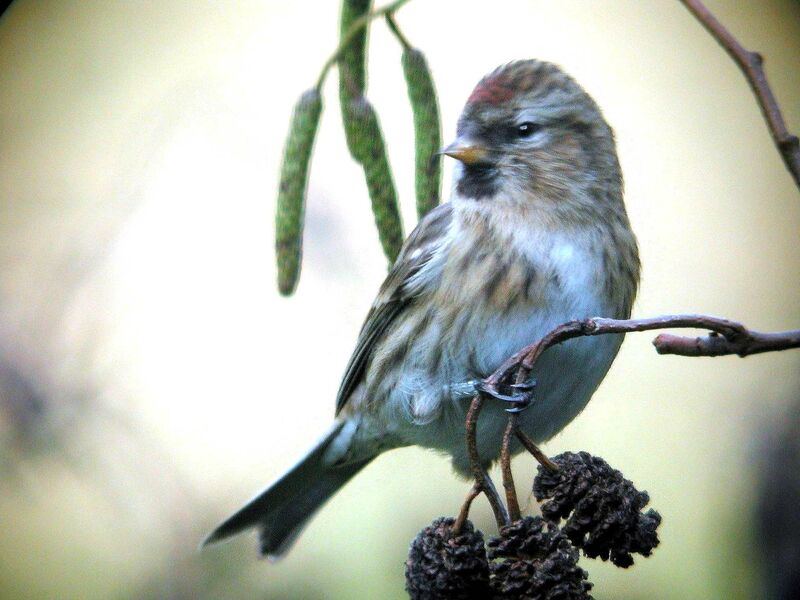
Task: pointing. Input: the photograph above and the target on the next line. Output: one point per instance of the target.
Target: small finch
(535, 234)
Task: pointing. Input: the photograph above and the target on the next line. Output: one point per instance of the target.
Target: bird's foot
(519, 394)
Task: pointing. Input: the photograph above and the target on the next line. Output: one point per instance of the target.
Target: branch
(482, 479)
(727, 337)
(505, 464)
(351, 33)
(752, 65)
(717, 345)
(540, 456)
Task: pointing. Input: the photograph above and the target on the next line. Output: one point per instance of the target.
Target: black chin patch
(478, 181)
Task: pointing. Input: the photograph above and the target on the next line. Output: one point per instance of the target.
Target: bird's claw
(521, 396)
(528, 386)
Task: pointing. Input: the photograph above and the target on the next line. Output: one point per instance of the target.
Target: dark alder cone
(442, 565)
(603, 510)
(533, 559)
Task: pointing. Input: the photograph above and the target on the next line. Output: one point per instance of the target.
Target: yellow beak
(467, 153)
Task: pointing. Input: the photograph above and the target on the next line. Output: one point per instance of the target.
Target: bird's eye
(527, 129)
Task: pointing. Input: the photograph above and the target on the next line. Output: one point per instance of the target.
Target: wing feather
(399, 289)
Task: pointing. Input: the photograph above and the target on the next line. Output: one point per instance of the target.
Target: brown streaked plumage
(535, 234)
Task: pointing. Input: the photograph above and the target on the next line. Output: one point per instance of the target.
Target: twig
(393, 27)
(531, 447)
(735, 339)
(717, 345)
(505, 464)
(357, 26)
(482, 478)
(727, 337)
(464, 513)
(752, 65)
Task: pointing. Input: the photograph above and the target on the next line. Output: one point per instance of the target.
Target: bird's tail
(283, 509)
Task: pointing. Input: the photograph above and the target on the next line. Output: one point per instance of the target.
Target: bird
(534, 234)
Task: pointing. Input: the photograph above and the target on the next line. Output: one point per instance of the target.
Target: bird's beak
(468, 153)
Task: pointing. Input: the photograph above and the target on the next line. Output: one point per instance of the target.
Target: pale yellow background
(139, 149)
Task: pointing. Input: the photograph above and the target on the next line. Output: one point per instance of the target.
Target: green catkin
(292, 189)
(352, 64)
(427, 130)
(370, 151)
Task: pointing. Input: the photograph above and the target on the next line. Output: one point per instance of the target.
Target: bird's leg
(520, 394)
(463, 390)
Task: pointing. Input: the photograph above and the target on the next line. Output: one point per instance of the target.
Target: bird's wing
(399, 288)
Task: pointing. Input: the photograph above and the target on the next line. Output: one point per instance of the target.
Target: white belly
(566, 375)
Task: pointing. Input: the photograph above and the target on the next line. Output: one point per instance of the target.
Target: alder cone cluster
(587, 505)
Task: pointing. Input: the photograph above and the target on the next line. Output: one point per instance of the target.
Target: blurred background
(151, 378)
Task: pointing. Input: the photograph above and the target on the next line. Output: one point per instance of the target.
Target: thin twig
(396, 31)
(464, 513)
(531, 447)
(752, 65)
(718, 345)
(479, 473)
(505, 465)
(738, 339)
(351, 33)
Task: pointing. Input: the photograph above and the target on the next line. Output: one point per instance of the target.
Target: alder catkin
(369, 150)
(427, 130)
(352, 64)
(292, 189)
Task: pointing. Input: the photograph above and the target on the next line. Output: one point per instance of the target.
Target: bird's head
(530, 133)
